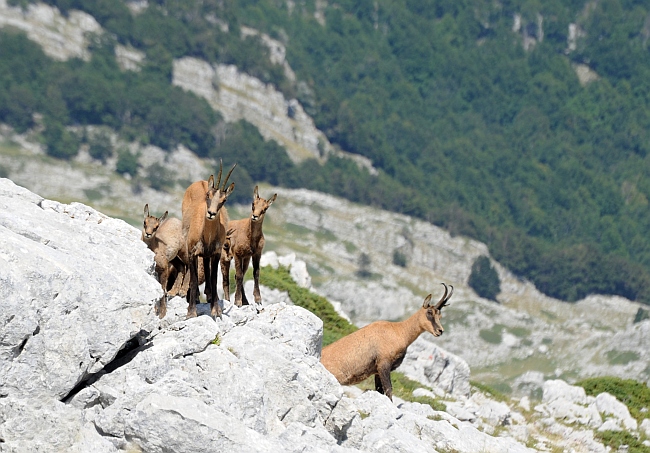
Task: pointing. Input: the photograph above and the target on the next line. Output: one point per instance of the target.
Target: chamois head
(151, 223)
(216, 197)
(260, 205)
(433, 312)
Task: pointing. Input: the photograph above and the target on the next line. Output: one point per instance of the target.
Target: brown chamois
(245, 240)
(380, 347)
(204, 227)
(163, 236)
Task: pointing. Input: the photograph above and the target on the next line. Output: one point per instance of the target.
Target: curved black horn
(228, 176)
(445, 297)
(219, 175)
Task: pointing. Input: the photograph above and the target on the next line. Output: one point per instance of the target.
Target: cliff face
(61, 37)
(85, 365)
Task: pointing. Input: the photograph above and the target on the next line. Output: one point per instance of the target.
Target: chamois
(244, 241)
(204, 227)
(380, 347)
(163, 236)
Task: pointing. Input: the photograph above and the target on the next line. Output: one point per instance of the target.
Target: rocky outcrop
(61, 37)
(239, 96)
(85, 365)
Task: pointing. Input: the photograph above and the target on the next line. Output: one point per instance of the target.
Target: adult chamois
(244, 241)
(380, 347)
(204, 227)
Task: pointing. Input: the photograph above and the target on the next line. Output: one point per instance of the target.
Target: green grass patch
(493, 335)
(491, 391)
(403, 388)
(297, 229)
(326, 235)
(621, 357)
(519, 332)
(616, 439)
(635, 395)
(334, 326)
(549, 315)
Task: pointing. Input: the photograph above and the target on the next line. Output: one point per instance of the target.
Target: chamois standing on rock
(204, 227)
(244, 241)
(380, 347)
(164, 237)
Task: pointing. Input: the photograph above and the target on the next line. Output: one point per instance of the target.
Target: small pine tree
(399, 258)
(100, 147)
(484, 279)
(364, 266)
(127, 162)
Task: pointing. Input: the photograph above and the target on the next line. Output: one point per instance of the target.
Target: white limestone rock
(608, 404)
(64, 270)
(431, 365)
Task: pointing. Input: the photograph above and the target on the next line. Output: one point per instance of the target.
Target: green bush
(100, 146)
(635, 395)
(484, 279)
(399, 258)
(159, 178)
(641, 314)
(127, 162)
(59, 142)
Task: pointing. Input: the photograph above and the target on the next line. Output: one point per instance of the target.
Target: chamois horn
(223, 189)
(219, 174)
(445, 297)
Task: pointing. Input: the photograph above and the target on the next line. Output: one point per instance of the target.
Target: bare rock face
(223, 86)
(85, 365)
(61, 37)
(65, 313)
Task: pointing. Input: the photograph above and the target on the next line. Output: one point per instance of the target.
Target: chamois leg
(239, 281)
(179, 267)
(378, 386)
(225, 276)
(207, 272)
(244, 265)
(383, 372)
(215, 308)
(193, 290)
(256, 277)
(163, 268)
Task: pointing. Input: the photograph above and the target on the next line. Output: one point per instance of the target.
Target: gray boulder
(431, 365)
(65, 314)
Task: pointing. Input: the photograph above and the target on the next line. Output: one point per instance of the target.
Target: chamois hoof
(191, 314)
(160, 308)
(216, 313)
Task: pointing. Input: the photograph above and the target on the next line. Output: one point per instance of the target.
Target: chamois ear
(270, 202)
(256, 194)
(163, 217)
(427, 301)
(230, 188)
(211, 182)
(146, 210)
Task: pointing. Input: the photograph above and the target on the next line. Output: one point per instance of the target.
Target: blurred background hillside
(521, 124)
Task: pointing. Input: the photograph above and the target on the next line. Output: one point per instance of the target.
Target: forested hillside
(475, 124)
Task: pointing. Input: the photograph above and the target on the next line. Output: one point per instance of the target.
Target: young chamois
(164, 237)
(244, 241)
(380, 347)
(204, 227)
